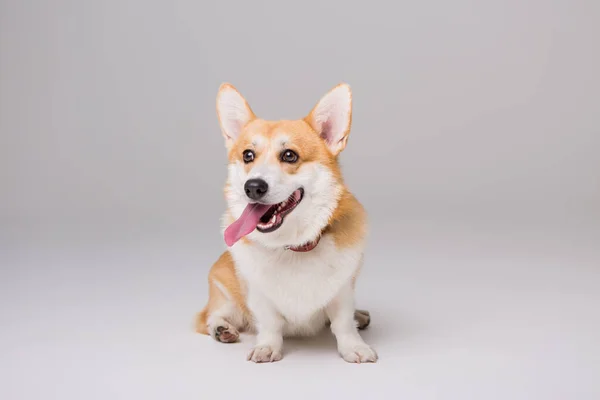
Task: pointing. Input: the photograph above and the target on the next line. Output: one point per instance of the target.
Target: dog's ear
(233, 112)
(332, 117)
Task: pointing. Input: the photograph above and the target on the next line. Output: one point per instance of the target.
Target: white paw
(358, 353)
(264, 353)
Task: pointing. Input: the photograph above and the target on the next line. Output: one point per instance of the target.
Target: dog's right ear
(233, 112)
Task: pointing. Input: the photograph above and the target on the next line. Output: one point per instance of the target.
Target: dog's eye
(248, 156)
(289, 156)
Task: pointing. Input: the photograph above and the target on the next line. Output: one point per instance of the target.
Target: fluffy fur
(260, 285)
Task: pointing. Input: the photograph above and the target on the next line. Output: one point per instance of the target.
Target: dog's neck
(305, 247)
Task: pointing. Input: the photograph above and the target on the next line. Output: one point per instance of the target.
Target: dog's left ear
(332, 117)
(233, 112)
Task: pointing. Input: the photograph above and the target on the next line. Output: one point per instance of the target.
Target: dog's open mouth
(263, 217)
(273, 218)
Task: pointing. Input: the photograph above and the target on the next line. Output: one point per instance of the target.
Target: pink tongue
(246, 223)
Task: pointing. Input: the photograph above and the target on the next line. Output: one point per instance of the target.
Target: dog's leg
(226, 313)
(224, 322)
(269, 326)
(221, 318)
(341, 313)
(362, 319)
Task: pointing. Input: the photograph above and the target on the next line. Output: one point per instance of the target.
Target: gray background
(474, 148)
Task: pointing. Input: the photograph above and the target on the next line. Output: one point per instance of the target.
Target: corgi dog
(295, 234)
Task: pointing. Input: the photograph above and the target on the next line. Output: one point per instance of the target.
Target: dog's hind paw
(362, 318)
(224, 332)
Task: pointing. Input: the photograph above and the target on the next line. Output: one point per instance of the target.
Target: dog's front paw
(358, 353)
(264, 353)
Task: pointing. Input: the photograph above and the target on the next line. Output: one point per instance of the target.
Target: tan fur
(348, 223)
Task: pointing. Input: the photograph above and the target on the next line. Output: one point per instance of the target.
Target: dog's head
(284, 181)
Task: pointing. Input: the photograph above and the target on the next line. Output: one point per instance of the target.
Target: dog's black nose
(256, 188)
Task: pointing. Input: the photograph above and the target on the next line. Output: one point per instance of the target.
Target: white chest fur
(299, 285)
